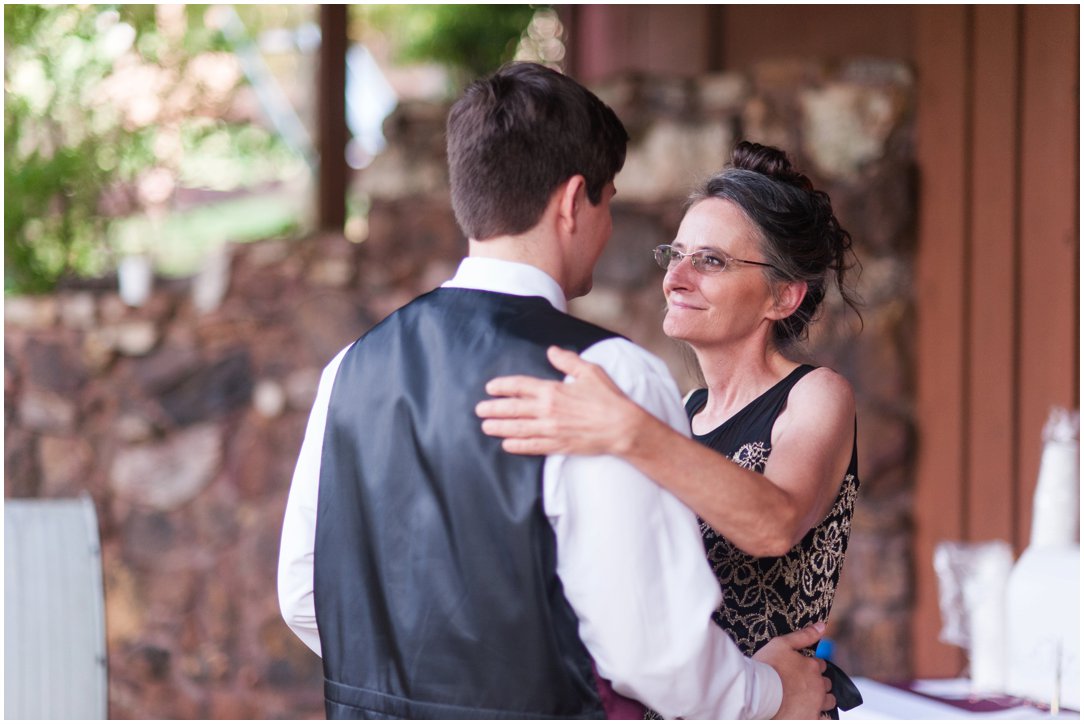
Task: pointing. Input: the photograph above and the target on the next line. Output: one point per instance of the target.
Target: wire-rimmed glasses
(705, 261)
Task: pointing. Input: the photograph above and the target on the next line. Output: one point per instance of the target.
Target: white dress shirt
(629, 554)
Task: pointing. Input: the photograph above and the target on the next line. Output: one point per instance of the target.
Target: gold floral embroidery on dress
(766, 597)
(752, 456)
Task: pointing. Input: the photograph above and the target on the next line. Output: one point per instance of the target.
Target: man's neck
(522, 249)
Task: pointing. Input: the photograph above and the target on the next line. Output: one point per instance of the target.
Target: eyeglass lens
(667, 256)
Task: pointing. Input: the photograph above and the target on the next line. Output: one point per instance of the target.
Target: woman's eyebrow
(710, 248)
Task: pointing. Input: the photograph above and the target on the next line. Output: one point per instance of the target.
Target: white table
(932, 699)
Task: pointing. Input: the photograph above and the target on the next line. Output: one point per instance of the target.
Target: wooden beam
(993, 264)
(332, 134)
(942, 124)
(569, 16)
(1050, 243)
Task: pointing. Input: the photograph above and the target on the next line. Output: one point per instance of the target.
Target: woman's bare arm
(764, 515)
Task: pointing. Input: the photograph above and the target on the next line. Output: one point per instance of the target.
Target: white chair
(54, 611)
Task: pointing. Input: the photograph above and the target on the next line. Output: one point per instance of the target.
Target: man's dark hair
(517, 135)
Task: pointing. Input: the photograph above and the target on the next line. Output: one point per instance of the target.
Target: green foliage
(82, 150)
(50, 225)
(54, 58)
(471, 40)
(222, 156)
(184, 238)
(98, 97)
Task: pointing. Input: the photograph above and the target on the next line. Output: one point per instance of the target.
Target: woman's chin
(674, 330)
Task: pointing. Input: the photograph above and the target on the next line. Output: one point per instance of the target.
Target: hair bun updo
(769, 161)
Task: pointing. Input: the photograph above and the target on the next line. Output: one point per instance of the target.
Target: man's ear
(788, 297)
(570, 197)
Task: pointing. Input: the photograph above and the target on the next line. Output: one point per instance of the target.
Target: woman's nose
(680, 274)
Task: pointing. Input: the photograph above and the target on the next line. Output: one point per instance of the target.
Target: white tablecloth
(882, 701)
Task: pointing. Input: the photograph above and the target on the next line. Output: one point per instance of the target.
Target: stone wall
(182, 419)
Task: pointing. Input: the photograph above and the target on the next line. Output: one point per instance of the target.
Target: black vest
(436, 590)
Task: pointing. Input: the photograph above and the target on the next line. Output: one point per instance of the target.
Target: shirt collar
(508, 277)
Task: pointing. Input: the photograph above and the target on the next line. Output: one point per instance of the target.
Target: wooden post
(332, 134)
(942, 54)
(993, 268)
(1050, 233)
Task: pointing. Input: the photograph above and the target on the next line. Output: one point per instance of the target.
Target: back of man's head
(516, 136)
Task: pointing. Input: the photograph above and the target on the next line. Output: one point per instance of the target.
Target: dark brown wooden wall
(688, 40)
(997, 275)
(613, 39)
(752, 33)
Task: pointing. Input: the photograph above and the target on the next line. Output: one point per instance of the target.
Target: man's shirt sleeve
(632, 563)
(295, 574)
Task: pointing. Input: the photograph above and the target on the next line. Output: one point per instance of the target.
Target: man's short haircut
(516, 136)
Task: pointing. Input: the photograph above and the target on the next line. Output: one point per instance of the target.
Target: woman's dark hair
(800, 235)
(516, 136)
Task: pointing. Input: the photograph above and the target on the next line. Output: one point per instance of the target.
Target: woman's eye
(713, 261)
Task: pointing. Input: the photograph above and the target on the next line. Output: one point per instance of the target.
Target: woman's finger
(530, 446)
(516, 386)
(568, 362)
(577, 367)
(521, 429)
(504, 407)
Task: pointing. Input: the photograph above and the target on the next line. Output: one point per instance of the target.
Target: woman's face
(708, 310)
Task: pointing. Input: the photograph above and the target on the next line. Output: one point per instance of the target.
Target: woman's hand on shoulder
(586, 415)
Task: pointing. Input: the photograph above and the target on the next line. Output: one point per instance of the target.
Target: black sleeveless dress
(766, 597)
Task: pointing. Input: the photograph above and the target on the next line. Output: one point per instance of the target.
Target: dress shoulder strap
(768, 406)
(694, 401)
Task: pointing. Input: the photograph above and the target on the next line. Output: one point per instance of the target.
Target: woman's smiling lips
(673, 303)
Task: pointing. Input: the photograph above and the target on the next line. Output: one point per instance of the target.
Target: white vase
(1056, 508)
